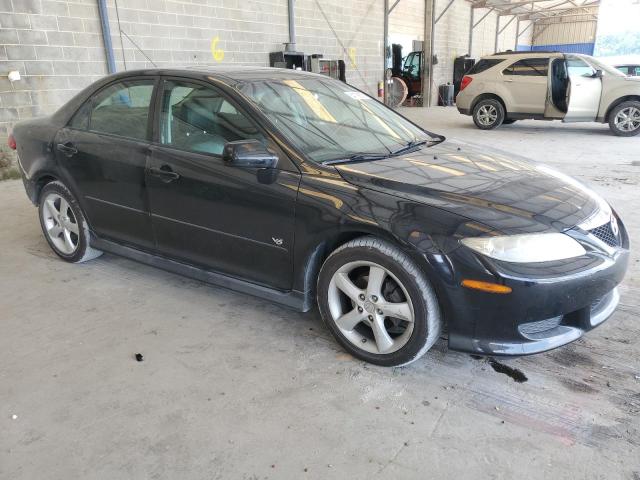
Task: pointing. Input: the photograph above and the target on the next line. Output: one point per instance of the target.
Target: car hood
(499, 190)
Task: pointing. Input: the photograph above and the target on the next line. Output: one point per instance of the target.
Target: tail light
(11, 141)
(466, 80)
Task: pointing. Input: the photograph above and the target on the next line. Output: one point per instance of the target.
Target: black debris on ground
(517, 375)
(139, 357)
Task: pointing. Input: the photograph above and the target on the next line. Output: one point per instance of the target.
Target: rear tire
(488, 114)
(63, 224)
(624, 119)
(377, 303)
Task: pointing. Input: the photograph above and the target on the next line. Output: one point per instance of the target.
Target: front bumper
(551, 303)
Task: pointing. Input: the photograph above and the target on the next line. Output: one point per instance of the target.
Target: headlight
(528, 248)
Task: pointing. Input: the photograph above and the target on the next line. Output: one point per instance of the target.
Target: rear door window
(123, 109)
(529, 67)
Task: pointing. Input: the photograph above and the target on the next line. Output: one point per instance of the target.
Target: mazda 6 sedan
(303, 190)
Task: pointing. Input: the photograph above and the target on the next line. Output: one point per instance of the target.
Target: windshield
(329, 120)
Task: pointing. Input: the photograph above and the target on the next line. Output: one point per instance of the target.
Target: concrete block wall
(57, 45)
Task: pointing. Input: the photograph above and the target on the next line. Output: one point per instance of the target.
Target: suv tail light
(11, 141)
(466, 80)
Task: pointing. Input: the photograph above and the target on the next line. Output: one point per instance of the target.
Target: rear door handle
(67, 148)
(165, 173)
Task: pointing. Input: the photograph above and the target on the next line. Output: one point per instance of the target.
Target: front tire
(377, 303)
(624, 119)
(488, 114)
(63, 224)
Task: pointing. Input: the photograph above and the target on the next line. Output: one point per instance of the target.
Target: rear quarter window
(529, 67)
(484, 64)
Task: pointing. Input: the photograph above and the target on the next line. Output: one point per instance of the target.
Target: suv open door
(585, 90)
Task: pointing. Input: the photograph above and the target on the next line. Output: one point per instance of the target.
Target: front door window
(197, 118)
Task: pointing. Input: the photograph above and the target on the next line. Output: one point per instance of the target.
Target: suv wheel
(64, 225)
(377, 303)
(488, 114)
(624, 119)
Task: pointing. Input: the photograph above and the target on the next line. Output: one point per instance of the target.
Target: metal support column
(495, 48)
(432, 38)
(384, 49)
(473, 10)
(515, 47)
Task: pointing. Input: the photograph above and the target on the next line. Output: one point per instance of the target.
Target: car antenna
(136, 45)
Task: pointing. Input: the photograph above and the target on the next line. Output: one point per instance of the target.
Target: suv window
(197, 118)
(484, 64)
(529, 67)
(578, 67)
(123, 109)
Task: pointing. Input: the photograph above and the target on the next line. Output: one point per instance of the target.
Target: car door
(235, 220)
(102, 154)
(585, 90)
(526, 81)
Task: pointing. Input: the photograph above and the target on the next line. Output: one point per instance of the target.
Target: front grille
(605, 233)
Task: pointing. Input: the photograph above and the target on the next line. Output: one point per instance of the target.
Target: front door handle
(165, 173)
(67, 148)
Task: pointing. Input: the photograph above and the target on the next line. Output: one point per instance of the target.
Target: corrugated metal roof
(538, 10)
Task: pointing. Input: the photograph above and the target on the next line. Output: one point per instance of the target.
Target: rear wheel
(488, 114)
(377, 303)
(624, 119)
(64, 225)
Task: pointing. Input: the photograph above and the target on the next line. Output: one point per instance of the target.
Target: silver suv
(506, 87)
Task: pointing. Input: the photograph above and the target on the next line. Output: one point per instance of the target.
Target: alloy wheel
(628, 119)
(487, 115)
(371, 307)
(60, 223)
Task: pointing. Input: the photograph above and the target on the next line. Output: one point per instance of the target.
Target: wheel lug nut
(361, 296)
(360, 309)
(374, 298)
(370, 318)
(379, 312)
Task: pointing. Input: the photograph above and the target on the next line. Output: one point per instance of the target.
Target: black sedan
(303, 190)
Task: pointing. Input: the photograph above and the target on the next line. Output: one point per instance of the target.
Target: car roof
(231, 74)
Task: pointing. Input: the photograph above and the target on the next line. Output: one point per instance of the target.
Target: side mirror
(248, 153)
(598, 74)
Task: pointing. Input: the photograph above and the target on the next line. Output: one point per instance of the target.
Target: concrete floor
(234, 387)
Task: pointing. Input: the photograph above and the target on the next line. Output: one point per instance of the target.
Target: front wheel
(624, 119)
(377, 303)
(488, 114)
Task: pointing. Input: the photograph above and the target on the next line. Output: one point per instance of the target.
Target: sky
(617, 16)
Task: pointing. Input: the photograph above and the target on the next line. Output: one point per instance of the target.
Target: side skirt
(293, 299)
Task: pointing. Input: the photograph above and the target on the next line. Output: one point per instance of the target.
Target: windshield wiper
(357, 157)
(416, 143)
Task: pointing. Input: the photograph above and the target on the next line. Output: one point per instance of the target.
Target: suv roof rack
(523, 52)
